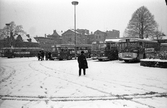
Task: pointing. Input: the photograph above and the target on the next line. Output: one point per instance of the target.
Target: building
(99, 36)
(83, 31)
(68, 37)
(82, 37)
(90, 38)
(114, 34)
(49, 41)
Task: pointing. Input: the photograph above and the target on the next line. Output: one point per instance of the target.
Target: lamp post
(10, 34)
(75, 3)
(8, 29)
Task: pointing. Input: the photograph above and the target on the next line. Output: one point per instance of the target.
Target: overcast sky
(39, 17)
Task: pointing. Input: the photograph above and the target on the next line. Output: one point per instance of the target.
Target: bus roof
(136, 39)
(21, 48)
(73, 45)
(112, 40)
(163, 44)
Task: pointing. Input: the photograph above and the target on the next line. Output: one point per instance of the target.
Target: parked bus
(12, 52)
(111, 50)
(68, 51)
(163, 49)
(107, 50)
(97, 49)
(134, 49)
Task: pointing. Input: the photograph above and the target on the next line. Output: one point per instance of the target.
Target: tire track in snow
(15, 84)
(6, 70)
(101, 79)
(117, 96)
(111, 82)
(2, 70)
(84, 98)
(64, 79)
(87, 98)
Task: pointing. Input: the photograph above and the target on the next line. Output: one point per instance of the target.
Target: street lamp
(10, 35)
(75, 3)
(8, 29)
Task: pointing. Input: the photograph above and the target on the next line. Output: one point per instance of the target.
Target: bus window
(125, 44)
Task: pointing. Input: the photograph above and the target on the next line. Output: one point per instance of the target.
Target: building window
(69, 39)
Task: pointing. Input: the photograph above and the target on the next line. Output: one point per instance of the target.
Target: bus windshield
(131, 46)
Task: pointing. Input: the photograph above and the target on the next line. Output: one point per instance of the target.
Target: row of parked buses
(61, 51)
(12, 52)
(70, 51)
(127, 49)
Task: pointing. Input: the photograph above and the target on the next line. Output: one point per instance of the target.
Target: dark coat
(82, 61)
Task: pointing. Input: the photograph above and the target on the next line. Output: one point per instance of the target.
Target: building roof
(98, 31)
(75, 31)
(25, 38)
(71, 30)
(163, 44)
(55, 34)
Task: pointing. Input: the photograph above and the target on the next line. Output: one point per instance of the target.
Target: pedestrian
(42, 55)
(49, 55)
(82, 63)
(46, 55)
(39, 55)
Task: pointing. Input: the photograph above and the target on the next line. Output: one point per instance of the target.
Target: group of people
(42, 54)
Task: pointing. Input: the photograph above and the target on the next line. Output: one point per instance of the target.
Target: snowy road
(28, 83)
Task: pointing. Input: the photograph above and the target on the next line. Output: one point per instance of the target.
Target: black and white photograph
(83, 54)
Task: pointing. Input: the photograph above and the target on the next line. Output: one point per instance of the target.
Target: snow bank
(153, 63)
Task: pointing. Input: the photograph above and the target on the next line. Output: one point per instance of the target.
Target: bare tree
(8, 33)
(142, 24)
(11, 30)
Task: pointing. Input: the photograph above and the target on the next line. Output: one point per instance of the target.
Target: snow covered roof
(75, 31)
(112, 40)
(24, 37)
(132, 39)
(164, 37)
(164, 44)
(33, 39)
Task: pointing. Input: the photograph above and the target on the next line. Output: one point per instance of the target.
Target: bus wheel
(127, 61)
(100, 59)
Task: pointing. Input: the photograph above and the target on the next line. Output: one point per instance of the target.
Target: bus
(134, 49)
(70, 51)
(111, 50)
(107, 50)
(97, 49)
(163, 49)
(12, 52)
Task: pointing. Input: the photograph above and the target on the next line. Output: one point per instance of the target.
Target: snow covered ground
(28, 83)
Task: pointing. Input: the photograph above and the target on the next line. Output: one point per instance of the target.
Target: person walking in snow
(82, 63)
